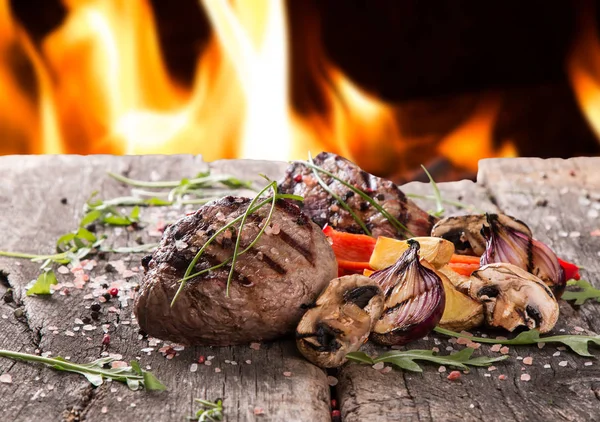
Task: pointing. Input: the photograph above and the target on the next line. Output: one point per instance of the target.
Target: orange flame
(110, 92)
(583, 65)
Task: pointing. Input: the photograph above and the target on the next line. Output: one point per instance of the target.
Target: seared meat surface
(323, 209)
(273, 282)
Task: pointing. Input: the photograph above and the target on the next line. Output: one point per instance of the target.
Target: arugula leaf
(406, 359)
(42, 284)
(95, 372)
(577, 343)
(587, 291)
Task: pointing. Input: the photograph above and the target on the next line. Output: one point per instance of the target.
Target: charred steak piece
(273, 282)
(323, 209)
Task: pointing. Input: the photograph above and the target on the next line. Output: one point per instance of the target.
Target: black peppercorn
(95, 307)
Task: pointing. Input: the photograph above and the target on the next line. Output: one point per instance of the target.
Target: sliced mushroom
(513, 298)
(465, 231)
(340, 321)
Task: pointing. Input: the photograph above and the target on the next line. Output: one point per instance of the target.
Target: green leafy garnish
(406, 359)
(98, 211)
(42, 284)
(577, 343)
(210, 411)
(236, 253)
(95, 372)
(401, 228)
(587, 291)
(436, 194)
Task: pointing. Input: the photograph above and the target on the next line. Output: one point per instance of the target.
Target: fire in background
(390, 85)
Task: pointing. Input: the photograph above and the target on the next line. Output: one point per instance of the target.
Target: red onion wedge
(414, 299)
(505, 244)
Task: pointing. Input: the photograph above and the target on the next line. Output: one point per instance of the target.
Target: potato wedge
(435, 250)
(461, 311)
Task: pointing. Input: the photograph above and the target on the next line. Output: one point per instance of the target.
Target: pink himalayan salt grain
(473, 345)
(378, 366)
(119, 364)
(255, 346)
(492, 368)
(504, 350)
(386, 370)
(454, 375)
(442, 369)
(496, 347)
(528, 360)
(259, 411)
(502, 377)
(525, 377)
(463, 340)
(287, 374)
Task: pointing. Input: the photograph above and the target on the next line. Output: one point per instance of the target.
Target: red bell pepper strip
(571, 270)
(352, 251)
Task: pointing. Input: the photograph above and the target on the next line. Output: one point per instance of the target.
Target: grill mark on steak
(306, 253)
(268, 260)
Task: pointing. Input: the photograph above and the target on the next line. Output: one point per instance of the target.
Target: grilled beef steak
(273, 282)
(323, 208)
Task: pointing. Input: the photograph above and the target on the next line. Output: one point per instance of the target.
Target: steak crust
(273, 282)
(324, 209)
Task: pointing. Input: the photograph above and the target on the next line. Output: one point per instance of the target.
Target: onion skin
(504, 244)
(414, 300)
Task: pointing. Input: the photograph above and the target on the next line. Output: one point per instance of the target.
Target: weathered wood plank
(33, 218)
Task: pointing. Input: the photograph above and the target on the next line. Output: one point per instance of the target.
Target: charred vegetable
(434, 250)
(341, 320)
(504, 243)
(514, 298)
(461, 311)
(414, 299)
(465, 231)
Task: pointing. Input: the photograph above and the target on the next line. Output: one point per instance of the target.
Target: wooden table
(559, 199)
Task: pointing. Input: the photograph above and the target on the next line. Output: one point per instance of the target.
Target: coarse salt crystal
(69, 333)
(463, 340)
(259, 411)
(473, 345)
(556, 354)
(210, 357)
(217, 370)
(287, 374)
(248, 361)
(563, 363)
(496, 347)
(541, 345)
(78, 321)
(525, 377)
(504, 350)
(132, 405)
(574, 234)
(492, 368)
(208, 363)
(88, 327)
(104, 409)
(63, 270)
(193, 367)
(378, 366)
(578, 329)
(528, 360)
(487, 375)
(118, 364)
(588, 364)
(547, 366)
(147, 349)
(6, 379)
(449, 348)
(501, 377)
(386, 370)
(442, 368)
(435, 349)
(471, 406)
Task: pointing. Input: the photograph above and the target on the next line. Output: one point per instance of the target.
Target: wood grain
(555, 197)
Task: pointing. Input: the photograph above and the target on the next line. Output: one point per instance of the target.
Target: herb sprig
(587, 291)
(401, 228)
(577, 343)
(406, 359)
(96, 372)
(236, 253)
(210, 411)
(436, 194)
